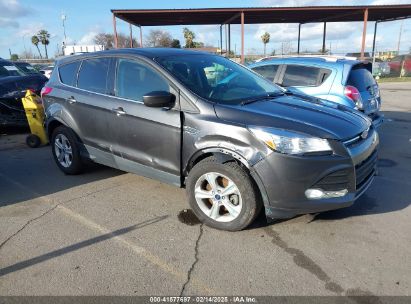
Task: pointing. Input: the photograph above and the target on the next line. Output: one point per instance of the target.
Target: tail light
(353, 94)
(45, 91)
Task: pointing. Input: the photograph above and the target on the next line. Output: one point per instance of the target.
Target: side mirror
(159, 99)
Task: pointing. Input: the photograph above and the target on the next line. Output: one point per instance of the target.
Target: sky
(21, 19)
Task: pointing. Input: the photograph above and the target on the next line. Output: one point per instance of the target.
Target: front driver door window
(135, 79)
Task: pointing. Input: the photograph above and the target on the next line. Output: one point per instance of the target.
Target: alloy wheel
(62, 148)
(218, 197)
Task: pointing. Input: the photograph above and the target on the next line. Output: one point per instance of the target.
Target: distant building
(76, 49)
(386, 55)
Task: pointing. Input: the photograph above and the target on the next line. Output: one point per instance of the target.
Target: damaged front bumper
(12, 113)
(343, 176)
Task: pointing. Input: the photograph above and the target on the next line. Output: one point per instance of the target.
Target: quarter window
(134, 80)
(298, 75)
(267, 71)
(68, 73)
(93, 75)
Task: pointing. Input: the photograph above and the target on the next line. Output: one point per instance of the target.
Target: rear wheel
(65, 150)
(222, 196)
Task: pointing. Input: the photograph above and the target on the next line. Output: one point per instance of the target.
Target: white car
(46, 71)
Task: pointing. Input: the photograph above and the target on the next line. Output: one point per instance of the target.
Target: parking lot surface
(107, 232)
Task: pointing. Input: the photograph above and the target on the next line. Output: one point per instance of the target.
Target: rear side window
(93, 75)
(135, 79)
(298, 75)
(9, 69)
(267, 71)
(360, 78)
(68, 73)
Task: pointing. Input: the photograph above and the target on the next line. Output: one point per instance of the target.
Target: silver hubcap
(63, 150)
(218, 197)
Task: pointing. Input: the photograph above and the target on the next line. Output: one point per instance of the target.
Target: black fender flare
(223, 155)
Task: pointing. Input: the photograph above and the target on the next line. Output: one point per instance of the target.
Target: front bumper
(283, 179)
(377, 119)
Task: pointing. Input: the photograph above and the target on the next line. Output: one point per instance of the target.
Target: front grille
(365, 170)
(352, 141)
(335, 181)
(356, 140)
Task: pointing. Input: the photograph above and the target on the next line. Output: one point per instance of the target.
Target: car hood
(303, 114)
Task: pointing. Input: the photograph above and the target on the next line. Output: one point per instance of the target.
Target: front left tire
(222, 196)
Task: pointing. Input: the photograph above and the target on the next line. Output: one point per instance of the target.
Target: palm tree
(35, 40)
(266, 39)
(189, 36)
(44, 36)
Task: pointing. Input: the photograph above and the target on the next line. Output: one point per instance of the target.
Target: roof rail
(332, 58)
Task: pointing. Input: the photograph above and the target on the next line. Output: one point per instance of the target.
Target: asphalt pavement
(107, 232)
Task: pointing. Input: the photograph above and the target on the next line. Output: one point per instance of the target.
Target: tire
(33, 141)
(244, 201)
(66, 139)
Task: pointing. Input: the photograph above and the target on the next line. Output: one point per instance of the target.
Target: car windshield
(218, 79)
(9, 69)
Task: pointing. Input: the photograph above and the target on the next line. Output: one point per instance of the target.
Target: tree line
(155, 38)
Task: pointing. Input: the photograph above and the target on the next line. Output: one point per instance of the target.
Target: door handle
(71, 99)
(119, 111)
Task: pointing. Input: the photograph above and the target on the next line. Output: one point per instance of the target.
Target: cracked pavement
(107, 232)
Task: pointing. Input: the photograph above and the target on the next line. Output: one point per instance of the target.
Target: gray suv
(234, 140)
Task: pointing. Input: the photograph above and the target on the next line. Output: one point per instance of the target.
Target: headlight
(289, 142)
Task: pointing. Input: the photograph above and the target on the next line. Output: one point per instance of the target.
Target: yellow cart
(35, 116)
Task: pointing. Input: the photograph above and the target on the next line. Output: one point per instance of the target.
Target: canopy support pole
(242, 37)
(131, 35)
(229, 39)
(324, 34)
(299, 36)
(141, 36)
(375, 36)
(364, 33)
(226, 39)
(221, 39)
(115, 32)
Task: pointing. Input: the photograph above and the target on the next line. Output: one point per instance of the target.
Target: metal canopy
(260, 15)
(254, 15)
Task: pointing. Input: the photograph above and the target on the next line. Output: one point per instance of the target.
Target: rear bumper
(284, 178)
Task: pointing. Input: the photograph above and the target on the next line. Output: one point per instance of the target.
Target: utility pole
(24, 43)
(63, 18)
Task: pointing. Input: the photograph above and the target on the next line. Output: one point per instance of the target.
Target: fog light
(314, 193)
(319, 194)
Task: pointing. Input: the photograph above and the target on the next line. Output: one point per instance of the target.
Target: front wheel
(223, 196)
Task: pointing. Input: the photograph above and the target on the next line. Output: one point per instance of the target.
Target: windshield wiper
(262, 97)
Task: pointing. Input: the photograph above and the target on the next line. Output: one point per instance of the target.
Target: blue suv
(345, 81)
